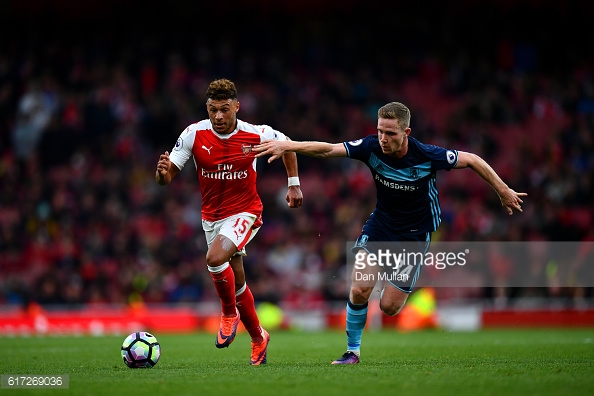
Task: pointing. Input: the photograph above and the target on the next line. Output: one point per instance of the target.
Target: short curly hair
(221, 89)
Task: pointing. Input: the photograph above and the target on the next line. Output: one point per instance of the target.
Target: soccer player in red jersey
(221, 147)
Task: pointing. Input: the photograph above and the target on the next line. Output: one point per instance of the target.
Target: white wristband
(294, 181)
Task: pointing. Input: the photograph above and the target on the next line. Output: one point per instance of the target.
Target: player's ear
(407, 131)
(237, 106)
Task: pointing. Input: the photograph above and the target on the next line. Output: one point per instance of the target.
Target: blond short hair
(395, 111)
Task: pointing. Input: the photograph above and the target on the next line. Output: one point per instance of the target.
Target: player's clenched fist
(163, 167)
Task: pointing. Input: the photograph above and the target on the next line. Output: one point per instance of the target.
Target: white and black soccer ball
(141, 350)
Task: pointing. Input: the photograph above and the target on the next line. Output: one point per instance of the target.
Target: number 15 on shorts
(240, 227)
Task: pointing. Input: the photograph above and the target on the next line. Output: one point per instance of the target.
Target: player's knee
(360, 295)
(215, 259)
(391, 310)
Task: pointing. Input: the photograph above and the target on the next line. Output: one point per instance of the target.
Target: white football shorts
(239, 228)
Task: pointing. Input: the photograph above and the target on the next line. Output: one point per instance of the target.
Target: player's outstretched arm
(510, 199)
(166, 170)
(276, 149)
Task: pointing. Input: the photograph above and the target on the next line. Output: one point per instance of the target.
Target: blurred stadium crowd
(86, 110)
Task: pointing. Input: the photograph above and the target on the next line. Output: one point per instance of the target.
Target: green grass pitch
(493, 362)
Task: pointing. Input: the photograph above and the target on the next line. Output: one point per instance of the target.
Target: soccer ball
(141, 350)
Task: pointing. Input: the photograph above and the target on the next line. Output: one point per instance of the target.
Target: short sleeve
(441, 158)
(269, 133)
(360, 149)
(182, 151)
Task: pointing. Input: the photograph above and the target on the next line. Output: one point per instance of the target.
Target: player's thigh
(393, 299)
(237, 230)
(220, 251)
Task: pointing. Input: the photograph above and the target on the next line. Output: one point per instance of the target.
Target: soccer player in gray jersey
(407, 209)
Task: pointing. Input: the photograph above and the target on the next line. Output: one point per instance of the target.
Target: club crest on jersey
(414, 173)
(246, 149)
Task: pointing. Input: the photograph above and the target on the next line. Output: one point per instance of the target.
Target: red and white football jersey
(226, 166)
